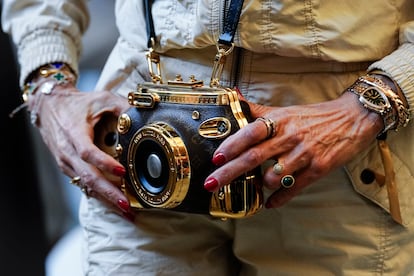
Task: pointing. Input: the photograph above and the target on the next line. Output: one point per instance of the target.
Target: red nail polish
(119, 171)
(211, 184)
(219, 159)
(124, 205)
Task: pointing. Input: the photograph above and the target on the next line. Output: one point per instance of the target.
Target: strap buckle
(219, 62)
(154, 66)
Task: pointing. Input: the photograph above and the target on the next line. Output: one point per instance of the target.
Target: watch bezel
(367, 100)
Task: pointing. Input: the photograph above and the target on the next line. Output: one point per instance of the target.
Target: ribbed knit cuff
(45, 46)
(399, 65)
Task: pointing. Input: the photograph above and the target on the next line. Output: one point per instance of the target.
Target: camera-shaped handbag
(167, 138)
(166, 142)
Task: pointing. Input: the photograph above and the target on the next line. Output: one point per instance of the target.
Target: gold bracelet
(403, 115)
(401, 104)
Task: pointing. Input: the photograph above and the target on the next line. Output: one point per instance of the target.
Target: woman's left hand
(309, 142)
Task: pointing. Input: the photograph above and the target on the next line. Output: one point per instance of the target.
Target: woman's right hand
(66, 119)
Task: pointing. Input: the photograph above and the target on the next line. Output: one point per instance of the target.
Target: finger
(122, 208)
(247, 161)
(93, 155)
(289, 163)
(289, 181)
(107, 102)
(97, 186)
(94, 182)
(283, 196)
(241, 141)
(104, 122)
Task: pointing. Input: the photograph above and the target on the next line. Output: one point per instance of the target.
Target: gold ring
(287, 181)
(277, 168)
(75, 180)
(84, 190)
(270, 126)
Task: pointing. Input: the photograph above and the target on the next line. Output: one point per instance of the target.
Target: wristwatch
(375, 95)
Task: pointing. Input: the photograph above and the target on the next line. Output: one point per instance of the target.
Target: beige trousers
(327, 230)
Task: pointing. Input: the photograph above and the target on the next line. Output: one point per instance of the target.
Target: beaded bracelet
(56, 73)
(45, 79)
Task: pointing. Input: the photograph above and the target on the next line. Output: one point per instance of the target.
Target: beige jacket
(333, 39)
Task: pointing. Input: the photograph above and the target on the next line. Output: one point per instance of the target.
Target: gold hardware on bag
(215, 128)
(154, 66)
(219, 62)
(124, 123)
(193, 82)
(143, 100)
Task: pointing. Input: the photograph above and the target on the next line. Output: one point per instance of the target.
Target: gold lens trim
(179, 172)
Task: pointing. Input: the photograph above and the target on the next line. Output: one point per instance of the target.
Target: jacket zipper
(235, 67)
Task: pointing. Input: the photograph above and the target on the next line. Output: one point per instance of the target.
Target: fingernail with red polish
(119, 171)
(211, 184)
(219, 159)
(123, 205)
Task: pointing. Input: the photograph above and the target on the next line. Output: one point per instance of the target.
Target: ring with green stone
(287, 181)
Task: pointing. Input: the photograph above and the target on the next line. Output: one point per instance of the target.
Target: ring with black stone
(287, 181)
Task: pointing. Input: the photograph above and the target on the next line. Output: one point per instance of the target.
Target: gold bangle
(396, 99)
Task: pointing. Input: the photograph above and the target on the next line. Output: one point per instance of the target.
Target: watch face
(375, 99)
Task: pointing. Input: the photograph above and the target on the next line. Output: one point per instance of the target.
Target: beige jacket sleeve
(45, 31)
(400, 66)
(400, 63)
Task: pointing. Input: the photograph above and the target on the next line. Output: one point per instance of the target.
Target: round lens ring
(159, 166)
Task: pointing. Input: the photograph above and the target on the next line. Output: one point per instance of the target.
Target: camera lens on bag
(159, 165)
(151, 166)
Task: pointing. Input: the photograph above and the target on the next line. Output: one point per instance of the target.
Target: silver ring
(278, 168)
(270, 126)
(287, 181)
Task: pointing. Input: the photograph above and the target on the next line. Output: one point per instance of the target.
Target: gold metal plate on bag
(215, 128)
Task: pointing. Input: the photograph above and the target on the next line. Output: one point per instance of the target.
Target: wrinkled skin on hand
(66, 120)
(310, 141)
